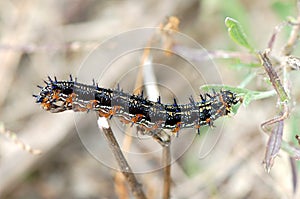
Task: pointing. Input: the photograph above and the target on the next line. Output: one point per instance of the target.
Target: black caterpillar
(59, 96)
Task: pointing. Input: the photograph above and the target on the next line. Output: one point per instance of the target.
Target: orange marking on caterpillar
(55, 95)
(114, 110)
(208, 121)
(91, 104)
(177, 128)
(197, 126)
(46, 104)
(69, 100)
(137, 118)
(103, 114)
(78, 108)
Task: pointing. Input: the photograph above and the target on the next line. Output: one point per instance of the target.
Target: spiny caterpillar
(150, 116)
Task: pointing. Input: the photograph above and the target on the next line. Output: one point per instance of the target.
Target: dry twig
(14, 138)
(167, 171)
(134, 185)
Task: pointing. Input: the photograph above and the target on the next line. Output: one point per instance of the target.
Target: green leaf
(247, 99)
(237, 33)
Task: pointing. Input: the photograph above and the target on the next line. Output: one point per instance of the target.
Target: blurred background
(41, 38)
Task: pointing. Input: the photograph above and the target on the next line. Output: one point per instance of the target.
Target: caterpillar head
(229, 98)
(55, 96)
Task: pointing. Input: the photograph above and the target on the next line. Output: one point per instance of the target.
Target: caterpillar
(58, 96)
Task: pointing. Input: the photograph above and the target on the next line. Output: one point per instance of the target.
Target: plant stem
(273, 76)
(247, 80)
(167, 171)
(134, 185)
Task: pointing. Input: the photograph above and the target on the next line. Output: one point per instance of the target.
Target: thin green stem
(247, 80)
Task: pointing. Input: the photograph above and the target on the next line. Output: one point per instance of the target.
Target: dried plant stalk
(134, 185)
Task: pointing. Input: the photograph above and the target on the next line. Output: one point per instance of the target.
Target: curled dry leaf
(294, 174)
(274, 144)
(274, 78)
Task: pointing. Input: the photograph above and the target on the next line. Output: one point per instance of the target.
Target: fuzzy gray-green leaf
(236, 33)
